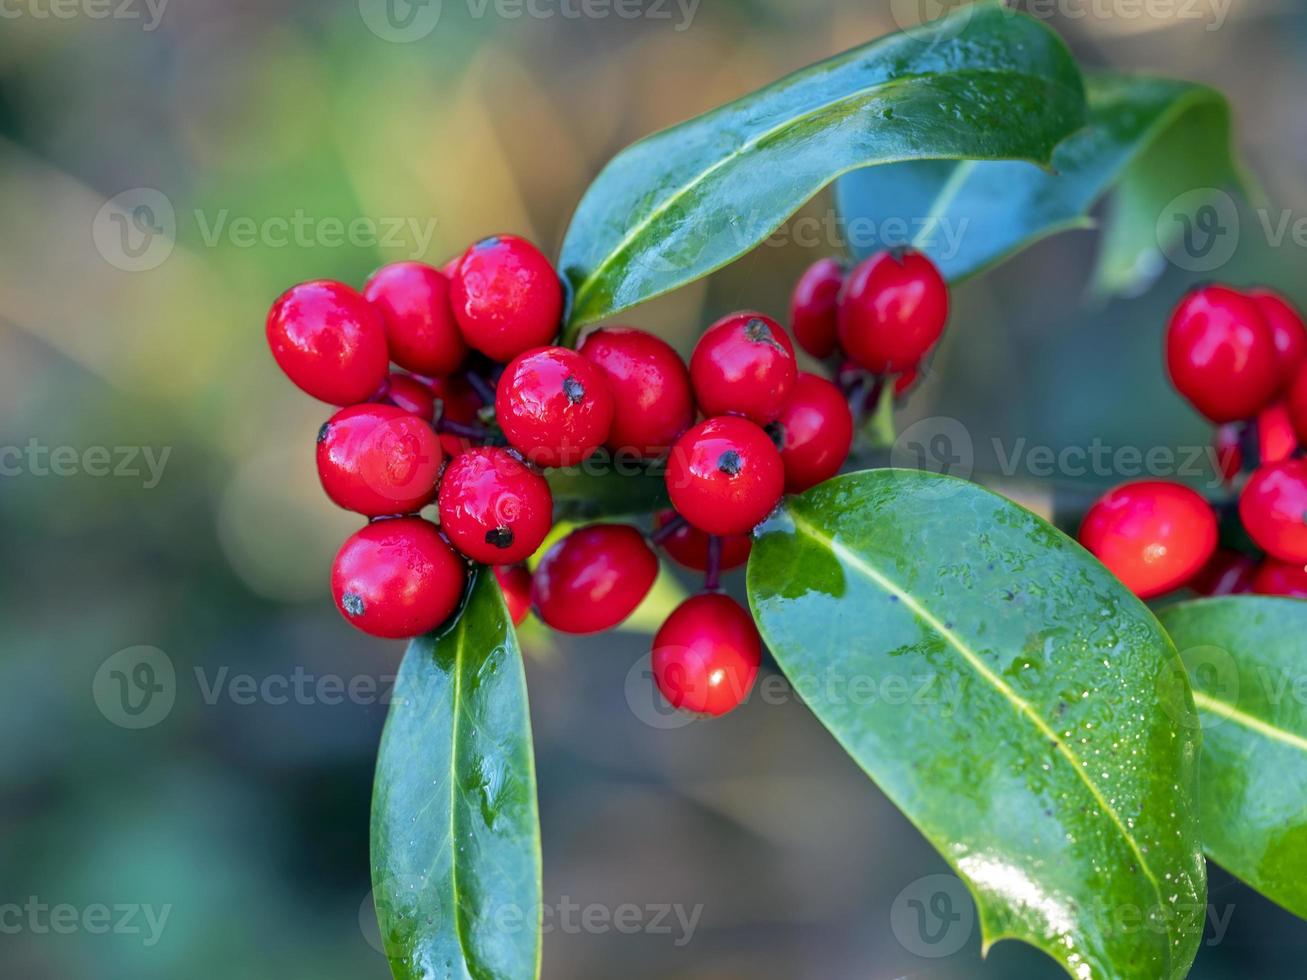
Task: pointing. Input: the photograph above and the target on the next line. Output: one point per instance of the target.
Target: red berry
(420, 329)
(725, 475)
(1228, 444)
(813, 307)
(378, 460)
(594, 578)
(651, 385)
(706, 656)
(515, 582)
(688, 546)
(506, 297)
(1287, 332)
(410, 394)
(1276, 440)
(1154, 536)
(1220, 354)
(743, 365)
(816, 432)
(397, 578)
(554, 406)
(1228, 573)
(1297, 402)
(459, 403)
(892, 310)
(1279, 578)
(330, 341)
(493, 507)
(906, 381)
(1273, 507)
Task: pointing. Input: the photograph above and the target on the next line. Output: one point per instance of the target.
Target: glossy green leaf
(455, 832)
(602, 488)
(984, 82)
(1163, 145)
(1247, 662)
(1001, 687)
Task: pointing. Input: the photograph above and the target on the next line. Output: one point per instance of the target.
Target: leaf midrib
(587, 285)
(1023, 707)
(1251, 722)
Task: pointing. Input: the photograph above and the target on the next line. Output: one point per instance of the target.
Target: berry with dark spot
(397, 578)
(494, 508)
(554, 406)
(706, 655)
(594, 578)
(330, 341)
(378, 460)
(892, 310)
(506, 296)
(725, 475)
(650, 387)
(743, 365)
(420, 328)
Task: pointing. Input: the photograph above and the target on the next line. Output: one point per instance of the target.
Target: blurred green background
(165, 171)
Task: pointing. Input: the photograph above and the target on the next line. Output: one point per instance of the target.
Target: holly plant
(1087, 767)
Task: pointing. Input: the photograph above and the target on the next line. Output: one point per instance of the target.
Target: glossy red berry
(1276, 439)
(815, 432)
(506, 297)
(650, 387)
(378, 460)
(1228, 444)
(330, 341)
(420, 329)
(1297, 404)
(1280, 578)
(1228, 573)
(813, 307)
(725, 475)
(1273, 507)
(1220, 354)
(458, 403)
(515, 583)
(1288, 332)
(1154, 536)
(397, 578)
(594, 578)
(706, 656)
(407, 392)
(743, 365)
(494, 508)
(892, 310)
(906, 381)
(688, 546)
(554, 406)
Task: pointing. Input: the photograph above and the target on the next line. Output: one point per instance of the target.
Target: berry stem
(482, 387)
(476, 432)
(657, 537)
(713, 573)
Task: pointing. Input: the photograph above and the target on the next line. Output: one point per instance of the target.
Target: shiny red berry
(725, 475)
(1288, 332)
(554, 406)
(706, 655)
(1154, 536)
(397, 578)
(330, 341)
(515, 583)
(815, 432)
(892, 310)
(420, 329)
(407, 392)
(813, 307)
(1228, 573)
(594, 578)
(1220, 354)
(1297, 404)
(906, 381)
(1276, 439)
(650, 387)
(506, 297)
(743, 365)
(688, 546)
(378, 460)
(1228, 444)
(458, 403)
(1280, 578)
(1273, 507)
(494, 508)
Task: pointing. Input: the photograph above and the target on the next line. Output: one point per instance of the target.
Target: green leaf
(984, 82)
(455, 833)
(602, 487)
(1001, 687)
(1246, 657)
(1153, 139)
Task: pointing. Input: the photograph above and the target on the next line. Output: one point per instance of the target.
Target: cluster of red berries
(1240, 358)
(484, 404)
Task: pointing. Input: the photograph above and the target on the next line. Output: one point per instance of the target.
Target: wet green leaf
(1163, 145)
(984, 82)
(1005, 691)
(455, 833)
(1247, 663)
